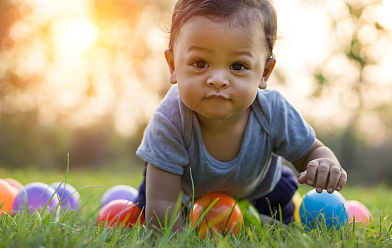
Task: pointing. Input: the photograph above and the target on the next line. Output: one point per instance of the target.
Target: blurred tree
(350, 71)
(23, 145)
(73, 76)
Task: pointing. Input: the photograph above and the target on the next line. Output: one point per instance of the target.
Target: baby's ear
(170, 62)
(268, 68)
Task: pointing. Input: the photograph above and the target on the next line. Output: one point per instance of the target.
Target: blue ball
(319, 208)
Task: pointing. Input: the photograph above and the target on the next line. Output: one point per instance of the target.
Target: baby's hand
(323, 173)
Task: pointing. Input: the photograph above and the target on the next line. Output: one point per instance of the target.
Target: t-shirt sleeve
(163, 141)
(291, 135)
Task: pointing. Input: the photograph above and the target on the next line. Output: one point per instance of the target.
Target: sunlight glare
(74, 36)
(383, 14)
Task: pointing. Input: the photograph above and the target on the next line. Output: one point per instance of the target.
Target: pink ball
(359, 211)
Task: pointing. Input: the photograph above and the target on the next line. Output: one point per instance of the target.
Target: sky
(85, 67)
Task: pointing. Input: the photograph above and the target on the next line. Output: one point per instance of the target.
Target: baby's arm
(162, 192)
(321, 169)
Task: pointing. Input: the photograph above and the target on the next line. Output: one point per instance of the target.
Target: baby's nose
(218, 79)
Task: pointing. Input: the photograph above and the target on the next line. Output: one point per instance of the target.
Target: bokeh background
(83, 77)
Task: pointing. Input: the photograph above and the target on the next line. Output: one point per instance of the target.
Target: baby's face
(218, 66)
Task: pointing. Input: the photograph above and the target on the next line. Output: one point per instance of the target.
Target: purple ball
(119, 192)
(35, 196)
(68, 195)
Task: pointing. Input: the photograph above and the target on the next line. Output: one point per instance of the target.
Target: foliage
(73, 78)
(94, 101)
(46, 147)
(359, 42)
(77, 64)
(350, 71)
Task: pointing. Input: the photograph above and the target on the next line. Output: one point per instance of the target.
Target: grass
(79, 229)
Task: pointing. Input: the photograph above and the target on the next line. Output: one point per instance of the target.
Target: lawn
(79, 229)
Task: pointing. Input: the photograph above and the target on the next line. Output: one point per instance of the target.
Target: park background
(83, 78)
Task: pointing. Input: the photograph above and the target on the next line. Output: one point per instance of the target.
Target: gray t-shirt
(173, 142)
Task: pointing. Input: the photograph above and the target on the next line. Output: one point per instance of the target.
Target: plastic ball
(250, 214)
(69, 196)
(36, 197)
(359, 212)
(224, 216)
(120, 213)
(17, 185)
(7, 196)
(317, 208)
(297, 200)
(119, 192)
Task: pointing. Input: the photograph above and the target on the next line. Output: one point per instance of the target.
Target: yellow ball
(297, 200)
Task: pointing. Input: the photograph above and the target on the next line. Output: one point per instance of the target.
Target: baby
(219, 129)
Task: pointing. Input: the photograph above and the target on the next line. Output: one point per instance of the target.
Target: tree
(72, 66)
(352, 71)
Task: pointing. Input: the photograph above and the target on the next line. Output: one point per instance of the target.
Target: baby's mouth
(217, 96)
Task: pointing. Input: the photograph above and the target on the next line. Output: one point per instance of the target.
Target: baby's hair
(245, 11)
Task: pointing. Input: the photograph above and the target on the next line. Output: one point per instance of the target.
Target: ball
(297, 200)
(68, 195)
(120, 213)
(7, 196)
(250, 214)
(14, 183)
(223, 217)
(359, 212)
(36, 197)
(317, 208)
(119, 192)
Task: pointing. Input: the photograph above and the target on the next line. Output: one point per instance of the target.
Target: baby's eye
(238, 67)
(200, 64)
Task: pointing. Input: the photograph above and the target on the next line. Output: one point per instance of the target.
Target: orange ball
(17, 185)
(7, 196)
(224, 216)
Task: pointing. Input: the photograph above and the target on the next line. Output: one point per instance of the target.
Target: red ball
(120, 213)
(224, 216)
(358, 211)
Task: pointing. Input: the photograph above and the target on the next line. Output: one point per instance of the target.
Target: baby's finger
(342, 180)
(311, 172)
(322, 176)
(334, 176)
(302, 177)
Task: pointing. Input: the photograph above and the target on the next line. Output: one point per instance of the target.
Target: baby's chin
(223, 115)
